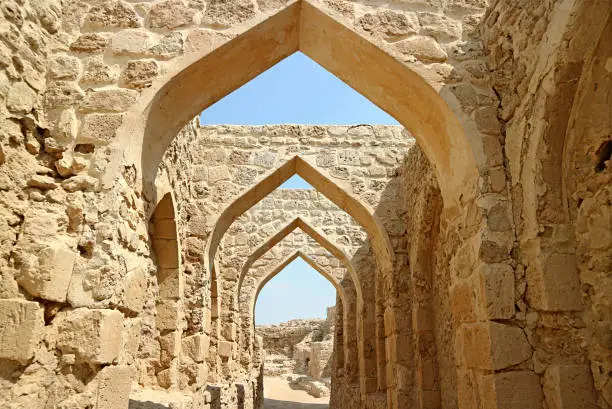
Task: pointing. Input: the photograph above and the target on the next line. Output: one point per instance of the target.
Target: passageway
(280, 396)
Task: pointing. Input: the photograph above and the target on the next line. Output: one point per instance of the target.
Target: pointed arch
(363, 333)
(361, 212)
(203, 77)
(349, 316)
(299, 223)
(297, 254)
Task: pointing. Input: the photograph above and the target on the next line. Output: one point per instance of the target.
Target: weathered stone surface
(97, 72)
(139, 74)
(108, 100)
(92, 335)
(21, 98)
(494, 346)
(223, 13)
(131, 42)
(114, 386)
(47, 275)
(99, 128)
(112, 14)
(569, 386)
(170, 15)
(64, 67)
(512, 390)
(89, 43)
(21, 326)
(196, 346)
(135, 291)
(423, 48)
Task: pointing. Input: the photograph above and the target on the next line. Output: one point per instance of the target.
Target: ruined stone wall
(542, 59)
(91, 96)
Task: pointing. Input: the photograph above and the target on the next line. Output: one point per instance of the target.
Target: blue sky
(295, 91)
(299, 291)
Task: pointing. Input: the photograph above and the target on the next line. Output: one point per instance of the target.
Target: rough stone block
(225, 349)
(48, 276)
(170, 283)
(100, 128)
(569, 386)
(497, 286)
(168, 316)
(131, 42)
(135, 291)
(196, 346)
(21, 326)
(114, 386)
(139, 74)
(92, 335)
(512, 390)
(494, 346)
(462, 302)
(555, 286)
(229, 331)
(112, 100)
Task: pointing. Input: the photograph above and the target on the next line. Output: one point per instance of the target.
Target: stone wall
(101, 247)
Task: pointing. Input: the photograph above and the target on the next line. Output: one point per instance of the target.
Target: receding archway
(351, 310)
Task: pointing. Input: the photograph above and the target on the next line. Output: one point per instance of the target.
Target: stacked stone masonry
(471, 250)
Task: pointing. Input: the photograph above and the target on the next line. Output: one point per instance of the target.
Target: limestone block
(170, 14)
(225, 349)
(114, 386)
(47, 273)
(439, 26)
(229, 331)
(170, 283)
(130, 340)
(21, 328)
(135, 291)
(569, 386)
(196, 346)
(170, 46)
(170, 345)
(62, 94)
(494, 346)
(96, 71)
(112, 14)
(139, 74)
(512, 390)
(131, 42)
(92, 335)
(110, 100)
(89, 43)
(168, 316)
(217, 173)
(21, 98)
(100, 128)
(227, 13)
(64, 67)
(497, 286)
(555, 285)
(423, 48)
(462, 302)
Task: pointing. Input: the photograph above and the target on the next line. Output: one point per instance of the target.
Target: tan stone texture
(470, 246)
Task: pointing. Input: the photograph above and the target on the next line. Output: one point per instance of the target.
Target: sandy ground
(279, 395)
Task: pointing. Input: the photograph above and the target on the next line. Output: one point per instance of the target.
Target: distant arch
(299, 223)
(361, 212)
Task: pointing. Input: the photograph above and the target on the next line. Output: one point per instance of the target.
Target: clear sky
(295, 91)
(299, 291)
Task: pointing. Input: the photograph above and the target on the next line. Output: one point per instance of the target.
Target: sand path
(279, 395)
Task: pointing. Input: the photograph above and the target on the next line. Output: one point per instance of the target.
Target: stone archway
(348, 290)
